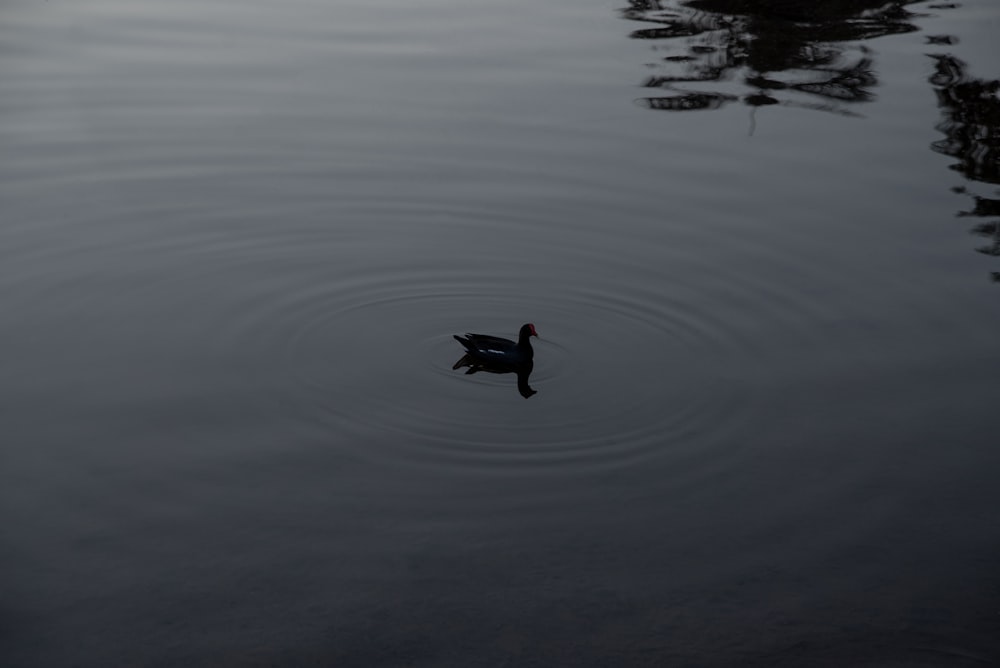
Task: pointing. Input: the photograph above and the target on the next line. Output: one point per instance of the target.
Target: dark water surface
(760, 245)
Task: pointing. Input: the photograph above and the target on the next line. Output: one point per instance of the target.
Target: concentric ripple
(618, 378)
(308, 330)
(342, 335)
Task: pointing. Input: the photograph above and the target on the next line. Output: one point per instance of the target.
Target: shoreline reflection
(786, 52)
(970, 122)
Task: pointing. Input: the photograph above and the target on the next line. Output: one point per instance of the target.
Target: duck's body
(487, 350)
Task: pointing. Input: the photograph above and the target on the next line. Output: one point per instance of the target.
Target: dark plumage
(486, 349)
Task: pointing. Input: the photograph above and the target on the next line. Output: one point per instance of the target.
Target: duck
(486, 349)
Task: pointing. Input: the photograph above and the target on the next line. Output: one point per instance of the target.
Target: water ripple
(619, 378)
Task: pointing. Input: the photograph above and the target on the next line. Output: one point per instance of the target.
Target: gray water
(760, 247)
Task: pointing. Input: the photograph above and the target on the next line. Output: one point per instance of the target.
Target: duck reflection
(522, 370)
(787, 51)
(970, 122)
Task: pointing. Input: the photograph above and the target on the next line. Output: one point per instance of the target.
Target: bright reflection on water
(759, 243)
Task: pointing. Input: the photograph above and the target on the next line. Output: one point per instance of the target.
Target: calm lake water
(760, 245)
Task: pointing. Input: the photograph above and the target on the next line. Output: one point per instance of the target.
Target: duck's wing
(467, 342)
(487, 341)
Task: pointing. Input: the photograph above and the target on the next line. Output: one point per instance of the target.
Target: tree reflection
(785, 51)
(970, 122)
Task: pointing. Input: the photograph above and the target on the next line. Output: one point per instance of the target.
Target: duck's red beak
(533, 332)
